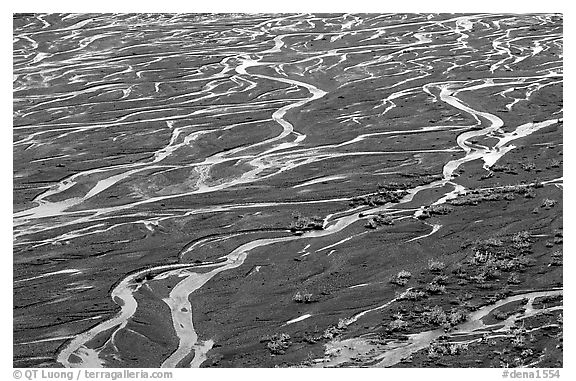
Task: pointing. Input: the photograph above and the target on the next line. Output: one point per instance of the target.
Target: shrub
(440, 209)
(526, 262)
(433, 210)
(521, 240)
(556, 258)
(334, 331)
(504, 168)
(397, 325)
(379, 220)
(343, 323)
(412, 295)
(306, 223)
(440, 279)
(457, 316)
(490, 270)
(330, 333)
(500, 315)
(514, 279)
(380, 198)
(437, 349)
(519, 342)
(434, 288)
(404, 274)
(302, 297)
(401, 279)
(527, 353)
(528, 166)
(555, 163)
(436, 266)
(279, 343)
(371, 224)
(493, 242)
(436, 316)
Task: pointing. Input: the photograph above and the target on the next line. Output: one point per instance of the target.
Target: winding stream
(264, 74)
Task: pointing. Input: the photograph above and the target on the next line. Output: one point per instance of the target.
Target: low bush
(434, 210)
(379, 220)
(302, 297)
(438, 349)
(514, 278)
(434, 288)
(412, 295)
(307, 223)
(401, 279)
(278, 343)
(436, 316)
(440, 279)
(556, 258)
(382, 197)
(548, 203)
(436, 266)
(397, 325)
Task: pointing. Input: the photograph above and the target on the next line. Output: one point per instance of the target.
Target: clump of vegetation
(514, 278)
(546, 301)
(278, 343)
(493, 242)
(412, 295)
(398, 324)
(392, 186)
(528, 166)
(382, 197)
(490, 270)
(509, 197)
(548, 203)
(555, 163)
(435, 266)
(522, 241)
(504, 168)
(435, 288)
(443, 348)
(527, 353)
(489, 261)
(303, 297)
(519, 338)
(438, 317)
(474, 197)
(333, 331)
(306, 223)
(379, 220)
(433, 210)
(500, 315)
(456, 316)
(440, 279)
(401, 279)
(556, 258)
